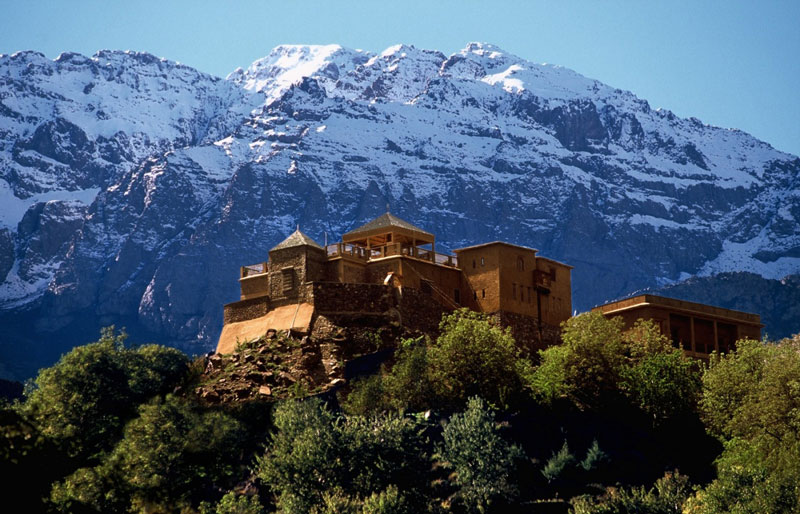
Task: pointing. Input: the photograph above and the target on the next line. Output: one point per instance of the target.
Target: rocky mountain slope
(132, 188)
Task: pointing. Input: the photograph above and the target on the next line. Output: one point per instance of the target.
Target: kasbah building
(388, 270)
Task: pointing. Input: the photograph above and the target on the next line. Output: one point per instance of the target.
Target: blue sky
(729, 63)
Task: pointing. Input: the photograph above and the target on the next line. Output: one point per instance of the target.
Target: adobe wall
(517, 286)
(556, 306)
(482, 276)
(254, 286)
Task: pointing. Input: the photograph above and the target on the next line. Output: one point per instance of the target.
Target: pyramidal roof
(296, 239)
(387, 220)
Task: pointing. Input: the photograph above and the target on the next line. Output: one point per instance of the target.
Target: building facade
(696, 328)
(524, 291)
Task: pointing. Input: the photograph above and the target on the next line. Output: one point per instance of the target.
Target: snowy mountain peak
(288, 65)
(133, 187)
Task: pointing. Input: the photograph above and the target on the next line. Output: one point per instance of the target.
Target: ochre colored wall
(254, 286)
(483, 277)
(557, 305)
(517, 289)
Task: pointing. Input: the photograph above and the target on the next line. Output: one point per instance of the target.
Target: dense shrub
(482, 460)
(316, 458)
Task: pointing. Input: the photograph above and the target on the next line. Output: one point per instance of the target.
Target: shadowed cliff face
(133, 188)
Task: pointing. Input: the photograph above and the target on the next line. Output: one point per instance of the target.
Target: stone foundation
(527, 331)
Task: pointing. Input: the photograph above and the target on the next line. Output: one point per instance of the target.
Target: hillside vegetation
(607, 422)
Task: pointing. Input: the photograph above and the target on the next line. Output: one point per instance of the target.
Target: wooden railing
(389, 250)
(338, 249)
(253, 269)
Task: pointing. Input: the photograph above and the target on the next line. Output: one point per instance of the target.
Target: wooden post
(716, 337)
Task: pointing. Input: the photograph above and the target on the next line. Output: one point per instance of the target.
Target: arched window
(520, 264)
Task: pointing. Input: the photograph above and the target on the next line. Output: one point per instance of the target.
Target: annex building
(389, 267)
(696, 328)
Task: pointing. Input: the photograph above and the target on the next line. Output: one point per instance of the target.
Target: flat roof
(643, 300)
(548, 259)
(496, 243)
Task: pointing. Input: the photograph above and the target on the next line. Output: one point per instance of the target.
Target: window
(457, 296)
(520, 264)
(287, 279)
(474, 295)
(483, 293)
(483, 262)
(552, 274)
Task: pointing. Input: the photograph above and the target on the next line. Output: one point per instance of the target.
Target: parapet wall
(246, 309)
(342, 297)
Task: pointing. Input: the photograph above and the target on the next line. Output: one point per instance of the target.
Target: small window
(457, 296)
(520, 264)
(287, 279)
(483, 293)
(552, 274)
(483, 262)
(474, 295)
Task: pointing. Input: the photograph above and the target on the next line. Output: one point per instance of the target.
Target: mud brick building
(696, 328)
(389, 268)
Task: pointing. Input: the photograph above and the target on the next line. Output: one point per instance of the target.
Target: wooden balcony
(389, 250)
(252, 270)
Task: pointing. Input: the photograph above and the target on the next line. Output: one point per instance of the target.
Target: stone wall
(526, 330)
(302, 263)
(420, 311)
(246, 309)
(342, 297)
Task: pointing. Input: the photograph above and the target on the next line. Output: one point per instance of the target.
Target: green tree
(482, 460)
(751, 400)
(586, 367)
(83, 401)
(169, 458)
(316, 458)
(663, 384)
(474, 357)
(555, 465)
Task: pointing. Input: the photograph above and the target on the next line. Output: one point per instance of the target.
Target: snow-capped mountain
(132, 188)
